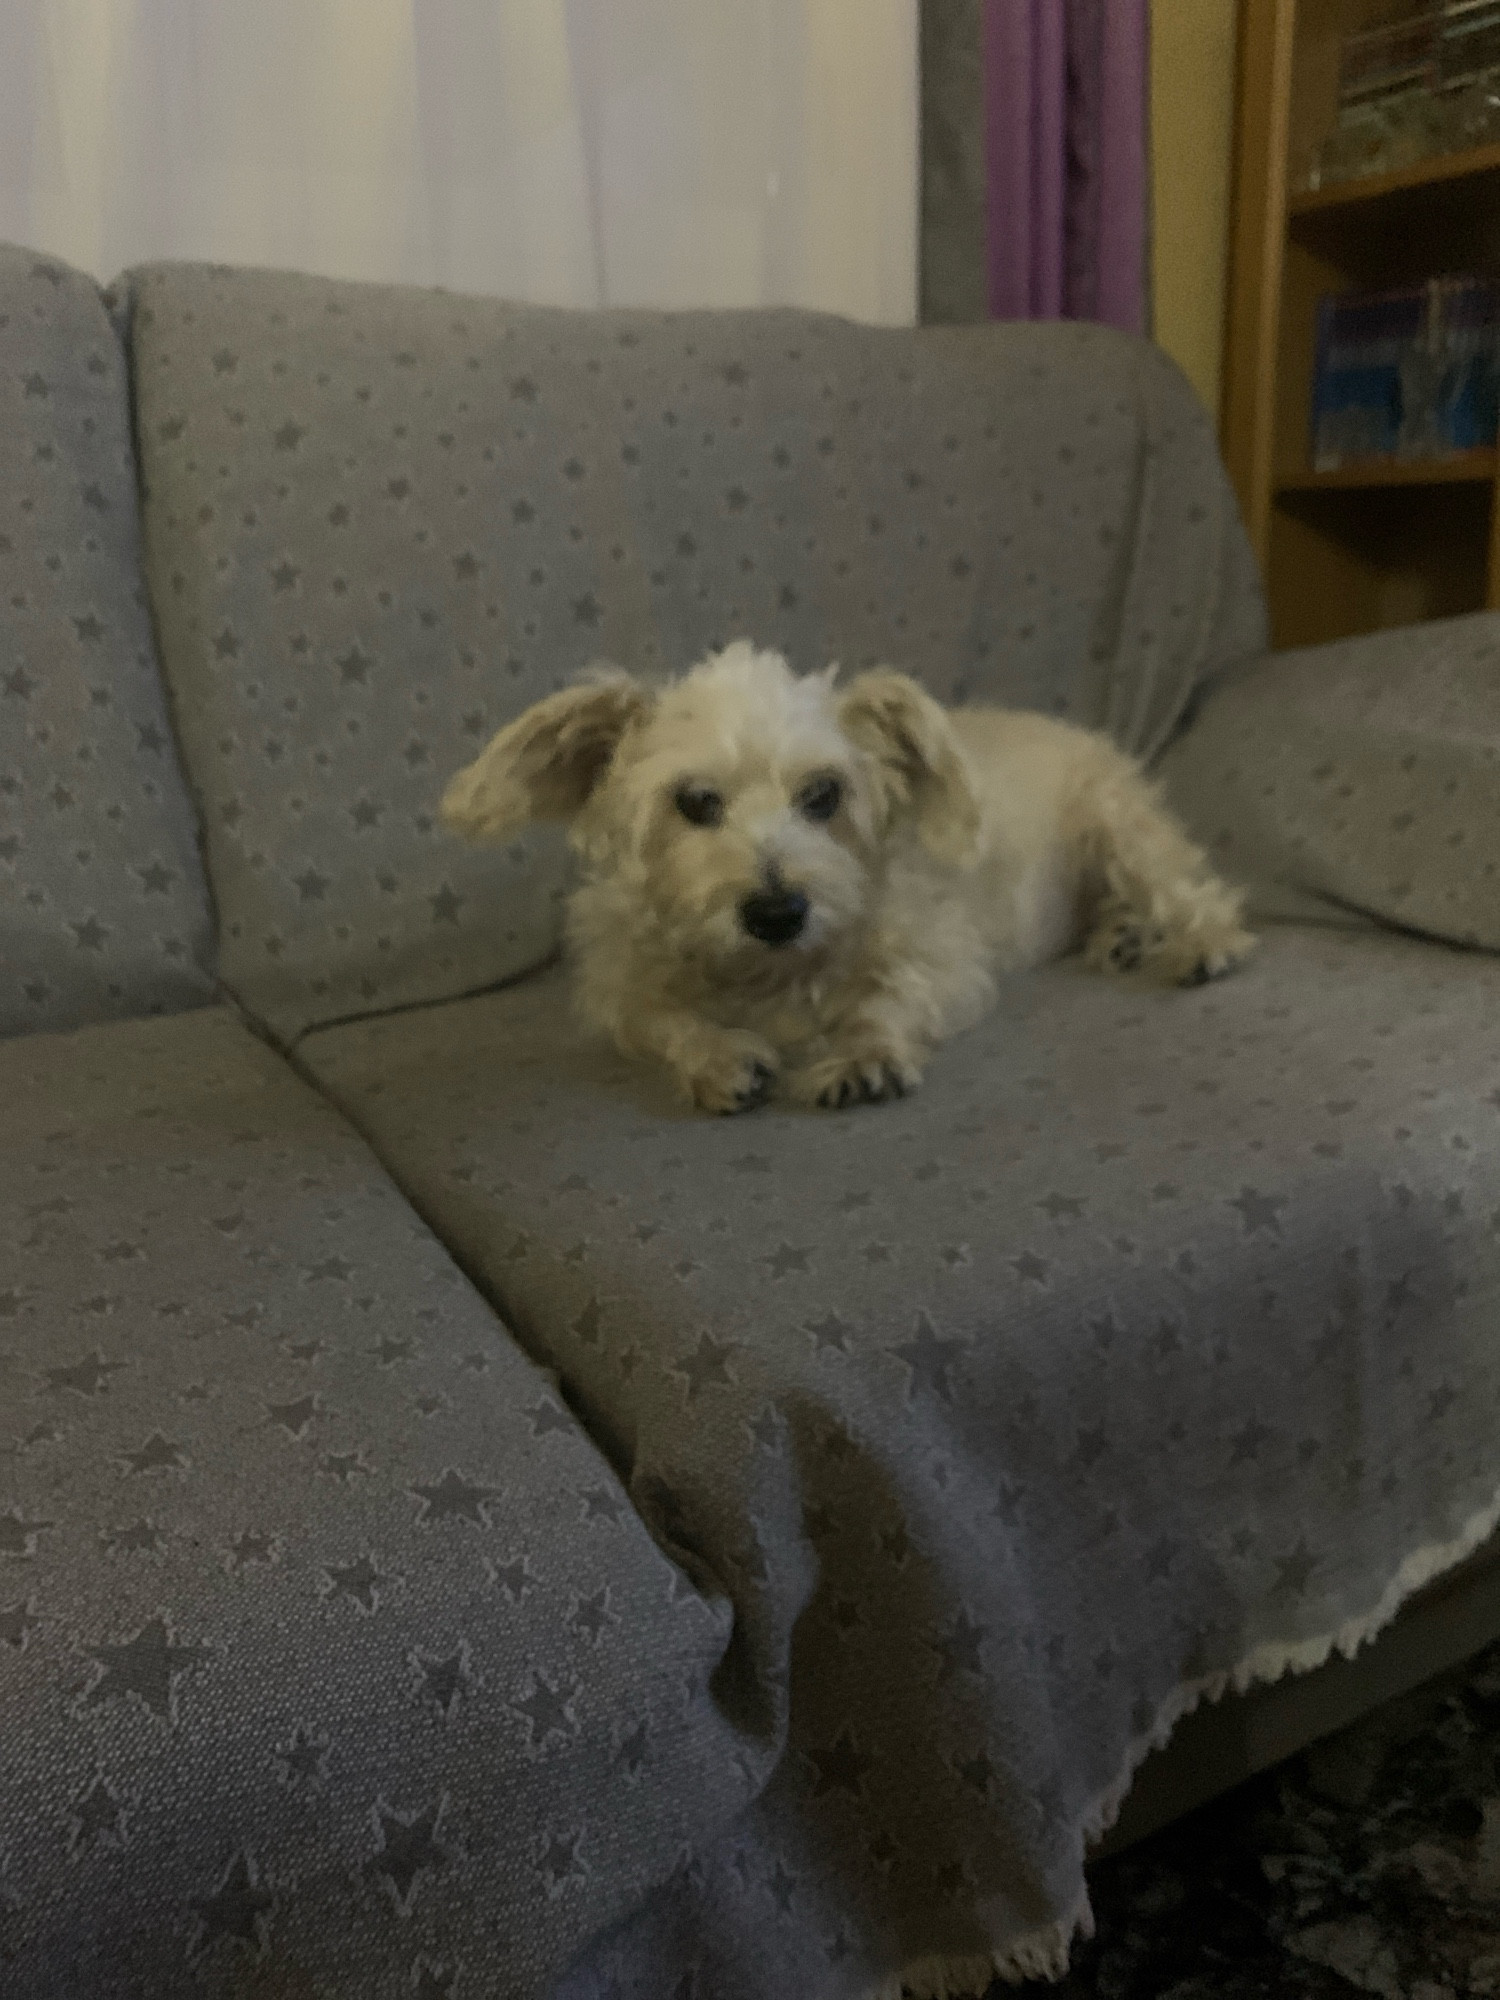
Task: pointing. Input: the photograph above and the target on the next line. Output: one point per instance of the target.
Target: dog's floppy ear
(545, 763)
(923, 770)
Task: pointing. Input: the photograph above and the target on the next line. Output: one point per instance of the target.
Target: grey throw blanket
(1149, 1348)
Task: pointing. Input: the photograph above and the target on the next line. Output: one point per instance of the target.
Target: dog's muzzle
(776, 916)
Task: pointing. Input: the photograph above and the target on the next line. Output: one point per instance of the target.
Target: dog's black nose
(775, 916)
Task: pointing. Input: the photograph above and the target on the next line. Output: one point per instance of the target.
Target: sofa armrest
(1357, 777)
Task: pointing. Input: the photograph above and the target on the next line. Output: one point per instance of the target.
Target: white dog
(788, 882)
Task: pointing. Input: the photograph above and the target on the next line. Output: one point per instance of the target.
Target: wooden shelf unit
(1454, 470)
(1375, 187)
(1387, 542)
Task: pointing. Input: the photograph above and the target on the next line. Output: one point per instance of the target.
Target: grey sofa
(468, 1527)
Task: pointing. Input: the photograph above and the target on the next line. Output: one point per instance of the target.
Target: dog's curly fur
(892, 856)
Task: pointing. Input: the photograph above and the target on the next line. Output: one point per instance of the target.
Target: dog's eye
(821, 798)
(699, 805)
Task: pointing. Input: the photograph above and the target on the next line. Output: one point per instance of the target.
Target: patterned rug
(1370, 1864)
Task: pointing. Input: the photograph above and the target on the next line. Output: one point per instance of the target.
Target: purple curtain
(1065, 85)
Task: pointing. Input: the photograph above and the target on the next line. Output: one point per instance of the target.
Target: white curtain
(642, 152)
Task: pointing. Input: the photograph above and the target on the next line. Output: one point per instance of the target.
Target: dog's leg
(873, 1052)
(1160, 908)
(926, 975)
(863, 1073)
(718, 1069)
(618, 995)
(855, 1076)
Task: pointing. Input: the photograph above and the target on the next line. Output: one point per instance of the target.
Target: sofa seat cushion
(381, 521)
(1150, 1345)
(103, 909)
(332, 1658)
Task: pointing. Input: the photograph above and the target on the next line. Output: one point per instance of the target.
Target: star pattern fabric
(238, 1908)
(146, 1666)
(1073, 1441)
(1340, 782)
(402, 517)
(1155, 1333)
(364, 1691)
(103, 909)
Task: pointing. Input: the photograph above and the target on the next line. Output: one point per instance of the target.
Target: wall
(1192, 127)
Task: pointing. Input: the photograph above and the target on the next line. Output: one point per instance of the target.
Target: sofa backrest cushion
(1362, 776)
(381, 521)
(103, 908)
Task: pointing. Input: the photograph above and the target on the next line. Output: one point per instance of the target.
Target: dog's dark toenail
(756, 1091)
(1200, 975)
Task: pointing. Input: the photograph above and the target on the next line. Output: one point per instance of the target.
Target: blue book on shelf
(1356, 409)
(1470, 396)
(1410, 373)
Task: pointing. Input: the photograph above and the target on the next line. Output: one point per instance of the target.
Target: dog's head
(749, 810)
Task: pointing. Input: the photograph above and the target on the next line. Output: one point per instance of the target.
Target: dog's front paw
(736, 1073)
(856, 1076)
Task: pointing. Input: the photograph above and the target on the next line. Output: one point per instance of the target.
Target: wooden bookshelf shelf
(1462, 466)
(1388, 542)
(1441, 167)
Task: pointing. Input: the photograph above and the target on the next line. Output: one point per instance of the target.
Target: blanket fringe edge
(1040, 1954)
(1044, 1953)
(1273, 1658)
